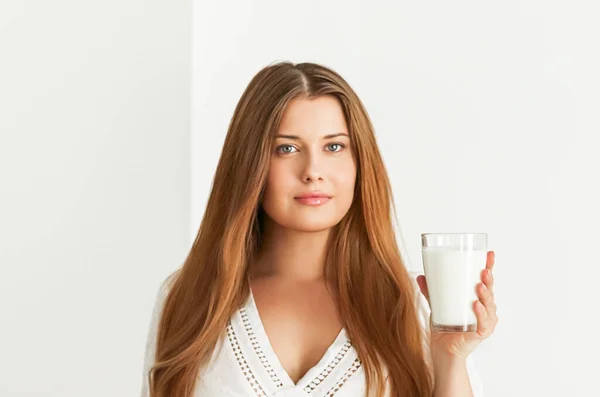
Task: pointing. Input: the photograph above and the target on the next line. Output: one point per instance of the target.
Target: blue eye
(279, 149)
(336, 144)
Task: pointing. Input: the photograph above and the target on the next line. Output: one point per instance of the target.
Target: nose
(312, 171)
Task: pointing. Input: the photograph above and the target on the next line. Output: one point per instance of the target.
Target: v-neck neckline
(325, 367)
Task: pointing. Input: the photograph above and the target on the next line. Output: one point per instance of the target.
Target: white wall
(487, 116)
(94, 187)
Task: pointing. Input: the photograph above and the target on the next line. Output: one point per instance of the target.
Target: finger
(422, 281)
(488, 279)
(486, 297)
(485, 324)
(491, 260)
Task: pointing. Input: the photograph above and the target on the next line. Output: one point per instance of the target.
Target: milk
(452, 275)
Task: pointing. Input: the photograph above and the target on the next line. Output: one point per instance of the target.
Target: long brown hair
(376, 293)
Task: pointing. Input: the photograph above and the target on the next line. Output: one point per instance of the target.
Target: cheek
(344, 177)
(279, 183)
(347, 179)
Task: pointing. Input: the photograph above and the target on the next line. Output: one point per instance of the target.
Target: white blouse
(244, 364)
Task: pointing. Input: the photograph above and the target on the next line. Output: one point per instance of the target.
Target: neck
(291, 254)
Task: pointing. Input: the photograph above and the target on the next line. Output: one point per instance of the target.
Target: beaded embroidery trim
(315, 382)
(258, 349)
(256, 346)
(355, 365)
(243, 363)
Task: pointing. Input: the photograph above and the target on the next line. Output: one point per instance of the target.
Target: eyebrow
(295, 137)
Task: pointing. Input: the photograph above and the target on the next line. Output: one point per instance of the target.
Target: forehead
(313, 117)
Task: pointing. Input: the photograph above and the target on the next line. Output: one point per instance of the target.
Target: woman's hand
(461, 344)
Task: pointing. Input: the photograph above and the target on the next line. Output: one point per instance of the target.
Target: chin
(312, 228)
(305, 221)
(312, 225)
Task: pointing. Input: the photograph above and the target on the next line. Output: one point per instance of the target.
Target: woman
(294, 285)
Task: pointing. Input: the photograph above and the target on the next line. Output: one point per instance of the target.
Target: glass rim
(453, 234)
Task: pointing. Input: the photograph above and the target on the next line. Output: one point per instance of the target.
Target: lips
(313, 198)
(313, 195)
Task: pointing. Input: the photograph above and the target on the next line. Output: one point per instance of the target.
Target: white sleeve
(150, 349)
(424, 313)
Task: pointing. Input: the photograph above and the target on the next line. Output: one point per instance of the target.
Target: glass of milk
(453, 263)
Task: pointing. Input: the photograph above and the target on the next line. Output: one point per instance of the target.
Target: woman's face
(310, 154)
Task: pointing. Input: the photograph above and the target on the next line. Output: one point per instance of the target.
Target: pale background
(486, 114)
(94, 187)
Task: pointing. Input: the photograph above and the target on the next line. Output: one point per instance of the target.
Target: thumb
(422, 281)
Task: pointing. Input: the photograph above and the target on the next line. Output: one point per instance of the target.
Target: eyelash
(341, 145)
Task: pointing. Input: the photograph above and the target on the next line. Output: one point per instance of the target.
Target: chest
(301, 324)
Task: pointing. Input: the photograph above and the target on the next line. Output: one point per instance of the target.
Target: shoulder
(163, 291)
(167, 283)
